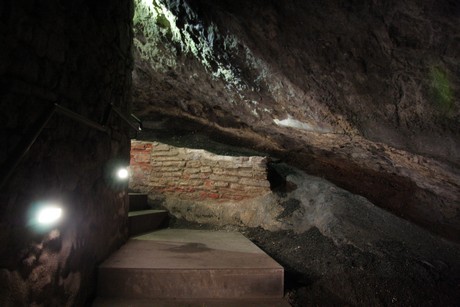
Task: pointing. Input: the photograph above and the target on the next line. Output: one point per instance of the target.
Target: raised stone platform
(191, 264)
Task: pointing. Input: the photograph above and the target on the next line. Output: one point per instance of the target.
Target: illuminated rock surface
(365, 95)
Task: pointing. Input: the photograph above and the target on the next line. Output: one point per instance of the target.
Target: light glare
(122, 173)
(48, 215)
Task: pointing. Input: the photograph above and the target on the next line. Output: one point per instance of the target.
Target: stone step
(138, 201)
(146, 220)
(122, 302)
(181, 263)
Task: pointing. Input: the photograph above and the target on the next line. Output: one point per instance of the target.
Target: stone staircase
(180, 267)
(141, 218)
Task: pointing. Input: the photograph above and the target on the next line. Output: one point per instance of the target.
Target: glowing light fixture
(123, 173)
(49, 214)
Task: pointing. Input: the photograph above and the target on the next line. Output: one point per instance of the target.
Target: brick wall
(196, 174)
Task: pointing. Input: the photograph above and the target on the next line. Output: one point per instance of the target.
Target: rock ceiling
(364, 94)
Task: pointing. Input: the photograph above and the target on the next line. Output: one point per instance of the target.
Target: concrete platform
(178, 263)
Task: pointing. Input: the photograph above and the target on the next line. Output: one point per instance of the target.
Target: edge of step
(146, 212)
(124, 302)
(144, 221)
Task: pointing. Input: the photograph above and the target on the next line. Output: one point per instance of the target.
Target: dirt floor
(320, 273)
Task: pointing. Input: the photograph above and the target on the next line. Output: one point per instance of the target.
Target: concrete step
(146, 221)
(138, 201)
(181, 263)
(121, 302)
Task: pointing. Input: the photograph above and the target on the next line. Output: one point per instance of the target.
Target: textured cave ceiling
(363, 93)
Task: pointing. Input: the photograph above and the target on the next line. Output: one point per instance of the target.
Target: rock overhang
(341, 99)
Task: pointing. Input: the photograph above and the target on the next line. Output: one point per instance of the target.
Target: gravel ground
(320, 273)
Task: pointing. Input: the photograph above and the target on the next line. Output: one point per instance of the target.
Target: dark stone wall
(76, 54)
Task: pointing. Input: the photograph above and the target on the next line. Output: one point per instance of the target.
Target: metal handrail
(22, 149)
(79, 118)
(125, 118)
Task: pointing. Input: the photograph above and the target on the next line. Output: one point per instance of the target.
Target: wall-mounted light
(122, 173)
(45, 215)
(48, 214)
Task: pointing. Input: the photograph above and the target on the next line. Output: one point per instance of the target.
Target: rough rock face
(362, 93)
(76, 54)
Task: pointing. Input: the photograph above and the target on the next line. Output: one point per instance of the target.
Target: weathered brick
(158, 184)
(221, 184)
(205, 195)
(191, 183)
(141, 157)
(260, 175)
(243, 187)
(140, 146)
(185, 172)
(206, 169)
(169, 169)
(172, 174)
(161, 147)
(224, 178)
(193, 163)
(245, 172)
(167, 158)
(191, 170)
(165, 153)
(174, 163)
(254, 182)
(208, 184)
(226, 164)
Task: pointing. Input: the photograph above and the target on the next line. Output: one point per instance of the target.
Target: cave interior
(326, 132)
